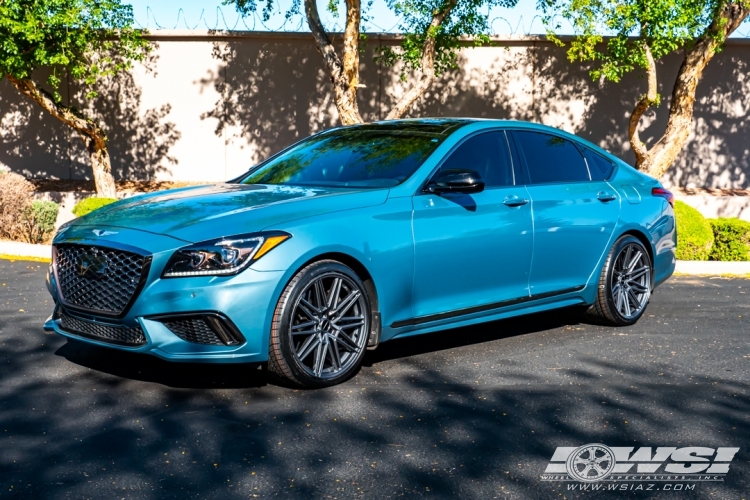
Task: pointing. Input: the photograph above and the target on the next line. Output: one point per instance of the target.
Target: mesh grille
(105, 333)
(193, 330)
(98, 279)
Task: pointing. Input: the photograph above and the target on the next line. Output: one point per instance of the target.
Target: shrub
(694, 234)
(16, 194)
(39, 221)
(88, 205)
(731, 239)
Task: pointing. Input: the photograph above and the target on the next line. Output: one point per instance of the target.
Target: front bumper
(245, 302)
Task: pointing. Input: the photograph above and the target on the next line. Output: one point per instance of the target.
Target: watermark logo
(599, 463)
(591, 462)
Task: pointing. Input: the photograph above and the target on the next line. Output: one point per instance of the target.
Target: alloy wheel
(329, 326)
(631, 281)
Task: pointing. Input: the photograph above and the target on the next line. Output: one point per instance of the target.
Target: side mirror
(456, 181)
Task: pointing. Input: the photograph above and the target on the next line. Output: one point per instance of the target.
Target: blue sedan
(358, 235)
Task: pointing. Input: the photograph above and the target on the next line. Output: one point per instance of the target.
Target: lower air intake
(120, 335)
(208, 329)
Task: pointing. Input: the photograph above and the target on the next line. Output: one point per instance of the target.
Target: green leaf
(88, 39)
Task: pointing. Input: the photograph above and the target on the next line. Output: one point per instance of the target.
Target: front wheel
(624, 284)
(320, 326)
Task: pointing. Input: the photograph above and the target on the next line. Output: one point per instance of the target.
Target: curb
(25, 251)
(712, 268)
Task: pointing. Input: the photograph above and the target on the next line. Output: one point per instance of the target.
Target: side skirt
(495, 307)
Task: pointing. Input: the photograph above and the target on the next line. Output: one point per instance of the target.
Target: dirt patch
(41, 185)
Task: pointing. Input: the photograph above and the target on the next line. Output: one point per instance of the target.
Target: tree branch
(88, 129)
(639, 148)
(427, 64)
(92, 135)
(727, 19)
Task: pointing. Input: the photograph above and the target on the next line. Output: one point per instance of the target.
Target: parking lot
(468, 413)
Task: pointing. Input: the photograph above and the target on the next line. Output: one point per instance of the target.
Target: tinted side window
(487, 154)
(550, 158)
(600, 167)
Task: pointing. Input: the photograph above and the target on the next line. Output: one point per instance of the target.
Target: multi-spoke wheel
(625, 283)
(320, 326)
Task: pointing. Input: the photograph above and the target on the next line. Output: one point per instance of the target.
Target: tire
(625, 284)
(320, 326)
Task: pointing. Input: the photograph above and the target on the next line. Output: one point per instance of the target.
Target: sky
(211, 14)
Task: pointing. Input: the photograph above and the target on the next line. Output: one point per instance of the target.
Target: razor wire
(234, 21)
(498, 25)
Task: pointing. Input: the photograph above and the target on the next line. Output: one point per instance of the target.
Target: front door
(472, 250)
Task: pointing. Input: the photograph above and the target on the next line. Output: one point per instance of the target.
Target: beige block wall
(206, 107)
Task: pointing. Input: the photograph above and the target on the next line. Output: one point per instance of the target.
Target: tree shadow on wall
(541, 85)
(139, 140)
(33, 143)
(491, 89)
(38, 145)
(274, 93)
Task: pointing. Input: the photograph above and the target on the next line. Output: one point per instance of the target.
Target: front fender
(379, 238)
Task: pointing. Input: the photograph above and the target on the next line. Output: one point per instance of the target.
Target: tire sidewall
(616, 249)
(299, 283)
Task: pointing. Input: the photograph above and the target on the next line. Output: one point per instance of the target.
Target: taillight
(663, 193)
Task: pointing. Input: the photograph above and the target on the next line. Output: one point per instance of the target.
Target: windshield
(365, 157)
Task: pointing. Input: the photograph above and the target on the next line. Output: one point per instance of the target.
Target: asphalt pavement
(468, 413)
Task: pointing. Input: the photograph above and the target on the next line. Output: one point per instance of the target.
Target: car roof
(446, 126)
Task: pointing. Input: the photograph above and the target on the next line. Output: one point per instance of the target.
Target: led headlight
(222, 257)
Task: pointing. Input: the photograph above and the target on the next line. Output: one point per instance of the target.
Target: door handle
(515, 201)
(605, 196)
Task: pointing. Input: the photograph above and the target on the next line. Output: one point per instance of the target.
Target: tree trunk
(92, 135)
(660, 157)
(344, 73)
(427, 64)
(105, 183)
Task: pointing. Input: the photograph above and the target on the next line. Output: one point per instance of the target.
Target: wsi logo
(598, 462)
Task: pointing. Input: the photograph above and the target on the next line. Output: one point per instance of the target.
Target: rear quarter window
(600, 167)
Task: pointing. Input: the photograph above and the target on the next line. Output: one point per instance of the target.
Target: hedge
(39, 221)
(731, 239)
(88, 205)
(695, 238)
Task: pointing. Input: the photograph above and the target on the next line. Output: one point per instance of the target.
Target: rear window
(353, 157)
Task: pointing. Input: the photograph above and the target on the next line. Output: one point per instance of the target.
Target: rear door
(472, 251)
(574, 212)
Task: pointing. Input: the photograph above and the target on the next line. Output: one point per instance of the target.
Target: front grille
(193, 330)
(99, 279)
(122, 335)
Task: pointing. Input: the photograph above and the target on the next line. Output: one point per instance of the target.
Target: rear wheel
(320, 326)
(624, 284)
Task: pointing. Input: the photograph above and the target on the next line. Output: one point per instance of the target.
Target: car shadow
(142, 367)
(475, 334)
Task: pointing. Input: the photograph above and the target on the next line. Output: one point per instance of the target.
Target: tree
(644, 31)
(85, 39)
(433, 31)
(344, 69)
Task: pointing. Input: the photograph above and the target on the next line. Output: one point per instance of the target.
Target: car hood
(204, 212)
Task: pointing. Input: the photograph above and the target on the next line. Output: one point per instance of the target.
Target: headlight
(222, 257)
